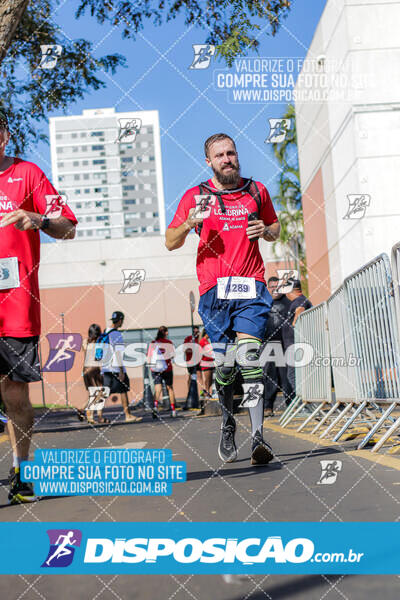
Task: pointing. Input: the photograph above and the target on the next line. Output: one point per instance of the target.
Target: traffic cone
(148, 398)
(192, 400)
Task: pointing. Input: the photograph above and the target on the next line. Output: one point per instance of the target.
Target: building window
(86, 176)
(86, 191)
(74, 135)
(59, 136)
(75, 163)
(77, 177)
(99, 161)
(60, 150)
(60, 165)
(79, 205)
(96, 133)
(98, 147)
(85, 163)
(83, 133)
(151, 157)
(83, 148)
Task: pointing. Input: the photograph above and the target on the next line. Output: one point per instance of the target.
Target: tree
(29, 92)
(288, 199)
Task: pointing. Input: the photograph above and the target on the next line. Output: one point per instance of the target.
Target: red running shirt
(208, 354)
(23, 185)
(163, 349)
(224, 248)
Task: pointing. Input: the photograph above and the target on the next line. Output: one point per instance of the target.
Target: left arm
(297, 312)
(258, 229)
(60, 228)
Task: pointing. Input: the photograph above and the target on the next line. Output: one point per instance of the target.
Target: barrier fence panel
(373, 338)
(313, 373)
(394, 375)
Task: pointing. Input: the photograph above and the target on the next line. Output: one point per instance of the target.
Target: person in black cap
(114, 373)
(298, 304)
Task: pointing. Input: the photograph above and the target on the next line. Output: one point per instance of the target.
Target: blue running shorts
(223, 318)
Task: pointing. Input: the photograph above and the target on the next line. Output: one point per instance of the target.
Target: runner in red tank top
(231, 214)
(28, 203)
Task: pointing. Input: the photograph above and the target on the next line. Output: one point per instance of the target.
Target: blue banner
(288, 548)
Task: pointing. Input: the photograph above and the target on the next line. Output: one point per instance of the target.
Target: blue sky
(158, 78)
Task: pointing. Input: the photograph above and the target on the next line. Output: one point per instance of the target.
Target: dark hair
(296, 284)
(203, 333)
(94, 332)
(161, 332)
(216, 138)
(273, 278)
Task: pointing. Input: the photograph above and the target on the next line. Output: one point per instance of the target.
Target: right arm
(175, 236)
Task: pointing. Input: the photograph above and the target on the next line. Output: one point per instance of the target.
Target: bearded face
(223, 160)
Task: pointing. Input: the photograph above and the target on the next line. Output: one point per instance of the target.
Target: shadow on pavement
(243, 472)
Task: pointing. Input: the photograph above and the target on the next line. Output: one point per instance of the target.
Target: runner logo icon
(63, 543)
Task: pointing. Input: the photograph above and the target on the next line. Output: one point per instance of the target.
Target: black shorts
(193, 369)
(19, 358)
(116, 386)
(166, 376)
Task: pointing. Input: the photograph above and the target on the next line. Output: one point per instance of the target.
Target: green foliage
(288, 199)
(234, 26)
(28, 92)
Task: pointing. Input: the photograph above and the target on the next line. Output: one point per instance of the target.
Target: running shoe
(155, 414)
(261, 452)
(227, 449)
(173, 414)
(20, 491)
(133, 419)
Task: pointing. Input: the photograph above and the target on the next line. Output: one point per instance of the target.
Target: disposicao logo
(62, 547)
(191, 550)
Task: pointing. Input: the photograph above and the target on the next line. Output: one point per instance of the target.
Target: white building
(349, 144)
(113, 182)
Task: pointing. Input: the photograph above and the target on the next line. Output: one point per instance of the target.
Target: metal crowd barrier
(358, 329)
(313, 379)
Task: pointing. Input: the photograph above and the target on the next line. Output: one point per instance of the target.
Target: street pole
(41, 372)
(65, 364)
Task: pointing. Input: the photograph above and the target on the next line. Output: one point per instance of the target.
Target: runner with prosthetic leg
(230, 214)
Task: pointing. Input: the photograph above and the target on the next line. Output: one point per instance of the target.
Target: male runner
(27, 205)
(234, 301)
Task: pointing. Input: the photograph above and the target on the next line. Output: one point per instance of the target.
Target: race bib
(9, 274)
(236, 288)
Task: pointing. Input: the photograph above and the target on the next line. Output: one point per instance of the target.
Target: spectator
(193, 338)
(275, 375)
(298, 304)
(207, 367)
(114, 372)
(92, 376)
(161, 368)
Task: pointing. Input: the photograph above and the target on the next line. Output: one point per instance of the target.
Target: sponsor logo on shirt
(11, 180)
(232, 212)
(5, 203)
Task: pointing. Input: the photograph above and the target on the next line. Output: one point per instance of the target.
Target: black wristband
(45, 224)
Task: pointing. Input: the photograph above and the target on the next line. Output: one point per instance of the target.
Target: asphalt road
(286, 490)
